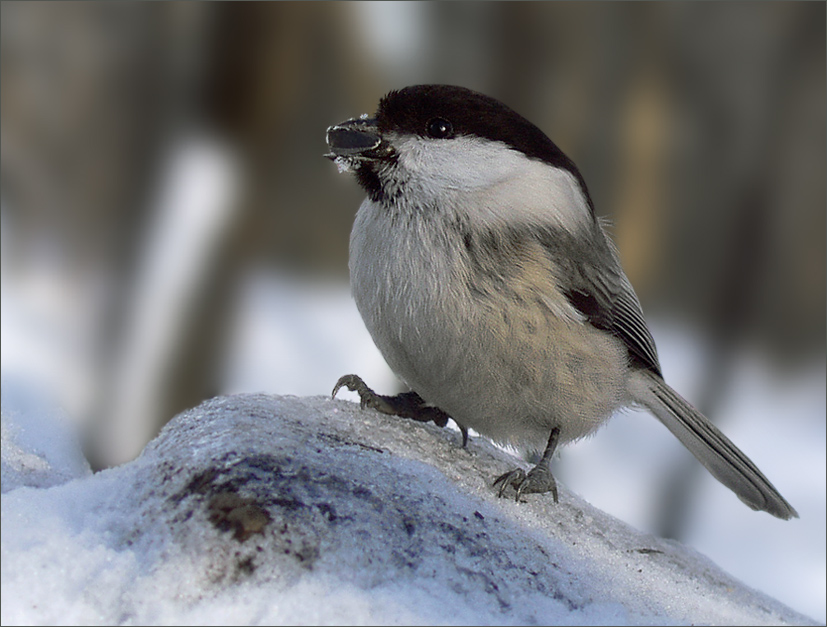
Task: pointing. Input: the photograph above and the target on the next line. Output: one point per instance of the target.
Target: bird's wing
(595, 285)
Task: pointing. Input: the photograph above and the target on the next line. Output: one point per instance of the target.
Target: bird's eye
(440, 128)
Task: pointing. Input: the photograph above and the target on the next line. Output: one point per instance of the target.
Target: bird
(491, 288)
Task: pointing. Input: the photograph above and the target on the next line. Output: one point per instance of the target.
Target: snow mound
(39, 446)
(258, 509)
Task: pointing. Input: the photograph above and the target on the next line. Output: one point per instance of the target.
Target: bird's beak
(357, 138)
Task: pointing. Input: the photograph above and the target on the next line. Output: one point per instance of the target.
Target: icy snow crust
(257, 509)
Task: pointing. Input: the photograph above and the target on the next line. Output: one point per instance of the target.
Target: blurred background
(170, 230)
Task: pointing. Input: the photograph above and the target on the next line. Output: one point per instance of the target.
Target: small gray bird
(492, 290)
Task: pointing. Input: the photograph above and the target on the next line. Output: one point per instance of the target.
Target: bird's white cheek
(462, 163)
(490, 183)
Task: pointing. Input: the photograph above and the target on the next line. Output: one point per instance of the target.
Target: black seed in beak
(353, 137)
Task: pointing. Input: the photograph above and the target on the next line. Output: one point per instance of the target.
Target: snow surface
(266, 509)
(39, 445)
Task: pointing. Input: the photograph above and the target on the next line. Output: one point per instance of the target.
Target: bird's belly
(506, 367)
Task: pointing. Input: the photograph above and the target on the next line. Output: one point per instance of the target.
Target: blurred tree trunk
(97, 96)
(264, 64)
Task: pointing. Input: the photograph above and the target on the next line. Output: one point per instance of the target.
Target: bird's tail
(711, 447)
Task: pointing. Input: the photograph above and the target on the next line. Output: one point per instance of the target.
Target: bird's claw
(352, 382)
(367, 397)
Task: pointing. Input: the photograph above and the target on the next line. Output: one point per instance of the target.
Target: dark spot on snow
(246, 566)
(229, 511)
(647, 551)
(337, 440)
(199, 484)
(409, 525)
(288, 503)
(328, 511)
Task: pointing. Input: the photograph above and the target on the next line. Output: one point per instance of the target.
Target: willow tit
(492, 290)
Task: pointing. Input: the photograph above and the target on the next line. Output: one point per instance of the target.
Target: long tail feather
(711, 447)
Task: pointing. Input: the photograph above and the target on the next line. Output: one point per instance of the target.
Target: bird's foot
(407, 405)
(538, 480)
